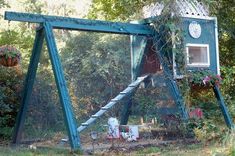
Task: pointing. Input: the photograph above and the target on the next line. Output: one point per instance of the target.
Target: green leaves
(3, 4)
(10, 87)
(97, 67)
(118, 10)
(228, 74)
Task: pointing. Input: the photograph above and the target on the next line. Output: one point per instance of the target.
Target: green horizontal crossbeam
(59, 22)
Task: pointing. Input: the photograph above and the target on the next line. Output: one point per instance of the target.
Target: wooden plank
(223, 107)
(62, 88)
(59, 22)
(28, 85)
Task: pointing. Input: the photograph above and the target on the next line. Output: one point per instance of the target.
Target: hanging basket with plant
(204, 79)
(9, 56)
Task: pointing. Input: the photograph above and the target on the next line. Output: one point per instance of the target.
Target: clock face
(195, 29)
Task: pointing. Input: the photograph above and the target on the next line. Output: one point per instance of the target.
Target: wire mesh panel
(44, 123)
(97, 68)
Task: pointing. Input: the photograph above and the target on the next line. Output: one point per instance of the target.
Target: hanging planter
(199, 87)
(9, 56)
(204, 80)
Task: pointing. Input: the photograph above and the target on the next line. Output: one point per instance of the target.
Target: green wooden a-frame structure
(139, 33)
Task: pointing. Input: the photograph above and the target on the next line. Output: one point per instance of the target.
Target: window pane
(198, 55)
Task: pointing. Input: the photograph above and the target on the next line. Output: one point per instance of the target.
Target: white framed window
(198, 55)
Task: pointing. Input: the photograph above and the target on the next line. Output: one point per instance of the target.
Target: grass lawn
(7, 151)
(184, 150)
(171, 150)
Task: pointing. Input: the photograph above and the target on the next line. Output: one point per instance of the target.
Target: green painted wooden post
(62, 88)
(171, 83)
(138, 48)
(28, 85)
(223, 107)
(126, 111)
(58, 22)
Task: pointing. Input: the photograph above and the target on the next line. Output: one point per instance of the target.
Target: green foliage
(229, 142)
(144, 102)
(117, 9)
(9, 37)
(21, 39)
(11, 79)
(10, 87)
(226, 24)
(3, 4)
(209, 131)
(9, 52)
(34, 6)
(120, 9)
(228, 74)
(228, 87)
(170, 38)
(225, 12)
(97, 67)
(204, 77)
(148, 151)
(212, 126)
(22, 151)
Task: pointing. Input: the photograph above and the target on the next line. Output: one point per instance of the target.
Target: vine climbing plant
(170, 37)
(169, 40)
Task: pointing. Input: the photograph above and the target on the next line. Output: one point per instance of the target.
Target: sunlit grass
(22, 151)
(177, 149)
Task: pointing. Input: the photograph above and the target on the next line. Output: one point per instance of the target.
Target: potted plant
(204, 79)
(9, 56)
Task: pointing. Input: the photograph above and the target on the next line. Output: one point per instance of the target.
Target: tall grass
(229, 142)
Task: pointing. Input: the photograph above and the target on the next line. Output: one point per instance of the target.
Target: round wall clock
(195, 29)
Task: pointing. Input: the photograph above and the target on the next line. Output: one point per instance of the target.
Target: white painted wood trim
(198, 64)
(217, 45)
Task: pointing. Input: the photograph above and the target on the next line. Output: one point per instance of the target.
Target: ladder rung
(85, 124)
(114, 100)
(132, 85)
(105, 108)
(123, 92)
(94, 116)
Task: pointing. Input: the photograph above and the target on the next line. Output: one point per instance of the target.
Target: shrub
(10, 88)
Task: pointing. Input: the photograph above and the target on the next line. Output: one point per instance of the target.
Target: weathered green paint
(140, 32)
(58, 22)
(62, 87)
(223, 107)
(170, 81)
(121, 96)
(28, 85)
(138, 47)
(208, 36)
(126, 111)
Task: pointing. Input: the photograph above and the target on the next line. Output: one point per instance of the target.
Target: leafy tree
(3, 4)
(10, 88)
(34, 6)
(117, 9)
(224, 10)
(123, 10)
(97, 67)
